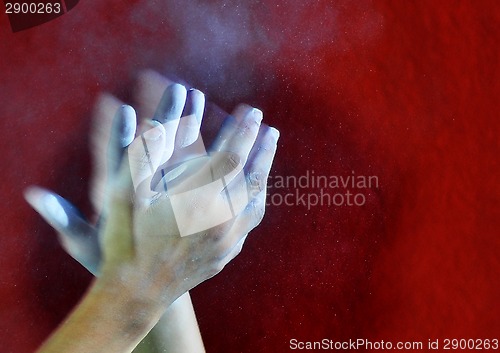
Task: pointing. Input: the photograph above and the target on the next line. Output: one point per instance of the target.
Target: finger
(76, 235)
(226, 130)
(148, 92)
(168, 113)
(253, 181)
(195, 197)
(189, 125)
(261, 158)
(232, 147)
(216, 170)
(122, 135)
(247, 220)
(239, 138)
(171, 103)
(267, 140)
(144, 156)
(218, 202)
(102, 122)
(235, 251)
(188, 141)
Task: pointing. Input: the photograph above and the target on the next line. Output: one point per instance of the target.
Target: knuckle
(219, 266)
(268, 147)
(215, 268)
(256, 181)
(258, 211)
(217, 238)
(247, 129)
(225, 164)
(140, 161)
(232, 161)
(221, 250)
(218, 233)
(237, 251)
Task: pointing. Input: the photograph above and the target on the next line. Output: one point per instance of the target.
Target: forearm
(177, 331)
(110, 318)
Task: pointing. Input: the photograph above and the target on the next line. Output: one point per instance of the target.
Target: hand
(177, 331)
(111, 134)
(145, 242)
(80, 238)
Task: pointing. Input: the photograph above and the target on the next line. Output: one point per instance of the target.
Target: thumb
(76, 235)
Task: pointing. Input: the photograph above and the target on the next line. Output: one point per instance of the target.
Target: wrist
(134, 311)
(134, 285)
(112, 317)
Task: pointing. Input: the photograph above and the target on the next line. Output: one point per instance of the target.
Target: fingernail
(274, 132)
(196, 91)
(127, 109)
(177, 87)
(128, 113)
(177, 96)
(198, 95)
(53, 206)
(47, 205)
(153, 123)
(257, 114)
(155, 133)
(32, 195)
(126, 125)
(195, 104)
(171, 103)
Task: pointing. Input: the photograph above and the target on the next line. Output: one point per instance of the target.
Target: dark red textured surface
(407, 91)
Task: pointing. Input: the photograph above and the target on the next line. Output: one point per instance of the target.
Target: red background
(407, 91)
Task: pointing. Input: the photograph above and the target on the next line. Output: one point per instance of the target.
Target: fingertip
(195, 104)
(127, 125)
(32, 194)
(127, 110)
(49, 205)
(175, 96)
(258, 114)
(240, 111)
(171, 103)
(178, 90)
(196, 93)
(274, 132)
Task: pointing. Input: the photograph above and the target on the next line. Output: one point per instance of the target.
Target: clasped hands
(158, 194)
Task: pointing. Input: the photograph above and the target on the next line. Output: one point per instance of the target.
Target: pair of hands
(156, 191)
